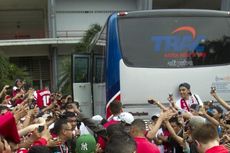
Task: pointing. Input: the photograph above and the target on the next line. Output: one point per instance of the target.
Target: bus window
(99, 70)
(171, 42)
(81, 69)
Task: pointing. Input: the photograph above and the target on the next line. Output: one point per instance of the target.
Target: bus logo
(178, 42)
(186, 28)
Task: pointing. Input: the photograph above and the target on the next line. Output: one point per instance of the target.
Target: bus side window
(81, 69)
(99, 69)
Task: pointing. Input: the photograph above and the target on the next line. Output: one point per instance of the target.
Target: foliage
(10, 72)
(87, 38)
(64, 81)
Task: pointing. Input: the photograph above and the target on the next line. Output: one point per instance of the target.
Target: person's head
(138, 128)
(115, 107)
(121, 143)
(207, 104)
(63, 129)
(63, 99)
(18, 83)
(154, 119)
(71, 118)
(194, 123)
(217, 112)
(98, 119)
(69, 99)
(194, 109)
(3, 109)
(39, 149)
(114, 129)
(85, 144)
(176, 125)
(184, 90)
(126, 118)
(205, 135)
(69, 106)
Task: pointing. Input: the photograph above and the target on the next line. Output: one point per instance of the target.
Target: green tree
(87, 38)
(64, 78)
(10, 72)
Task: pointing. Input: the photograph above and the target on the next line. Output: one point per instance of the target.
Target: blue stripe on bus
(113, 56)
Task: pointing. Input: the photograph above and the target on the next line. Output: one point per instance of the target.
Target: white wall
(71, 15)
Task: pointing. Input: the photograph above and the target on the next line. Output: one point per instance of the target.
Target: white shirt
(194, 99)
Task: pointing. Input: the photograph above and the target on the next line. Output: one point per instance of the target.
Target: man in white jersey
(187, 98)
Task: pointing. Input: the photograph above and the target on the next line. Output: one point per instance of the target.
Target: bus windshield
(174, 42)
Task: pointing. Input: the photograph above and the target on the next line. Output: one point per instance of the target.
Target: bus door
(81, 82)
(99, 96)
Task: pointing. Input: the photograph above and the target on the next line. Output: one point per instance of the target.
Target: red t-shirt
(217, 149)
(15, 92)
(144, 146)
(42, 97)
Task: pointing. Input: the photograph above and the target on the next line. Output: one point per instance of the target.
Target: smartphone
(40, 128)
(151, 101)
(213, 88)
(170, 94)
(210, 112)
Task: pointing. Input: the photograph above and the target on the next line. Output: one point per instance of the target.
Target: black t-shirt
(175, 145)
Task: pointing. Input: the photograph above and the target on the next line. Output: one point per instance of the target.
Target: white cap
(126, 117)
(97, 118)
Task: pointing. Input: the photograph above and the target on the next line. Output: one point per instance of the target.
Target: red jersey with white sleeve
(42, 97)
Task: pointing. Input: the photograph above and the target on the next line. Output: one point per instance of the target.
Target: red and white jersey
(42, 97)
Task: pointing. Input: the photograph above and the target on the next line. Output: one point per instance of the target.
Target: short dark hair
(3, 108)
(58, 125)
(72, 102)
(68, 114)
(115, 107)
(154, 117)
(175, 120)
(114, 129)
(185, 84)
(196, 107)
(139, 125)
(39, 149)
(205, 133)
(121, 143)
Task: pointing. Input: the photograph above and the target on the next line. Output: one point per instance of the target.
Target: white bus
(144, 54)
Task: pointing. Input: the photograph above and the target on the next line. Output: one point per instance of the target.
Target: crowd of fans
(38, 121)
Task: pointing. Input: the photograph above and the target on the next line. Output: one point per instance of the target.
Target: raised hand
(213, 91)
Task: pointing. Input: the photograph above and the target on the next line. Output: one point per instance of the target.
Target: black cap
(186, 85)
